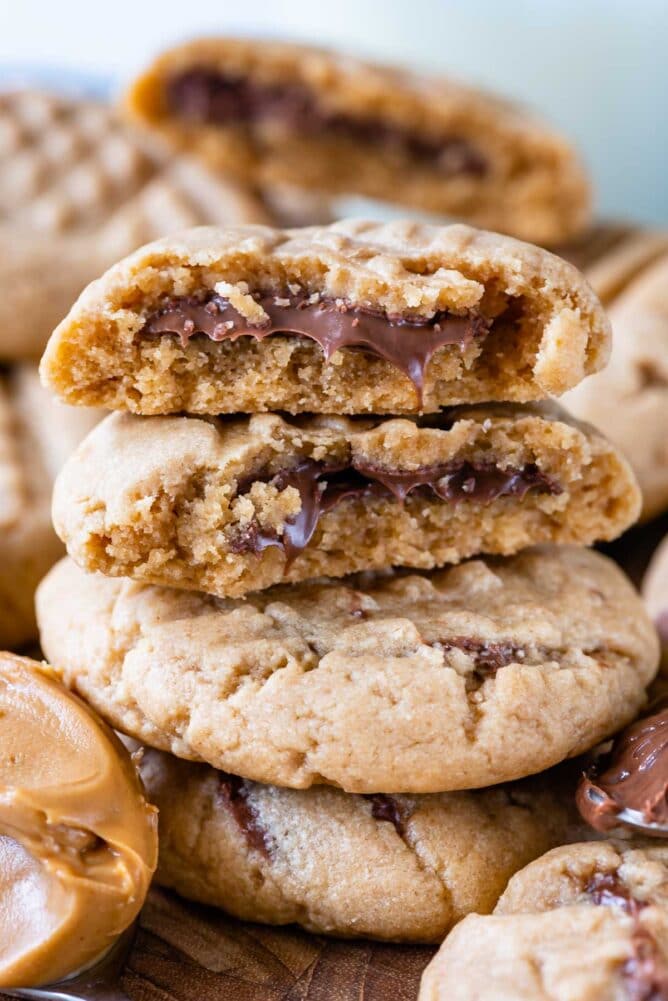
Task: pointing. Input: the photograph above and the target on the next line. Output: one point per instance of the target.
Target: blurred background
(597, 69)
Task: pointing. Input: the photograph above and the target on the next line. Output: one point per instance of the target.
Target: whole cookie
(37, 434)
(78, 190)
(356, 317)
(628, 401)
(587, 922)
(280, 113)
(404, 868)
(229, 506)
(478, 674)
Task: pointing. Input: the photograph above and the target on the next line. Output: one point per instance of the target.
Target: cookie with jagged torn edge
(587, 921)
(37, 434)
(280, 113)
(79, 190)
(355, 317)
(628, 401)
(232, 505)
(399, 682)
(399, 868)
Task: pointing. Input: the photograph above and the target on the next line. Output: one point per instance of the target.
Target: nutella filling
(608, 890)
(489, 657)
(408, 343)
(634, 776)
(321, 487)
(388, 809)
(233, 791)
(206, 96)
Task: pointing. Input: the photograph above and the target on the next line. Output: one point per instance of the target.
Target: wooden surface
(185, 952)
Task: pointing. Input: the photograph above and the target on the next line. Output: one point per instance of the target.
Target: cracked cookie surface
(402, 868)
(279, 113)
(462, 678)
(586, 921)
(230, 506)
(356, 317)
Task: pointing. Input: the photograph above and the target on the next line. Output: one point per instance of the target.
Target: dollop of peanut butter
(78, 840)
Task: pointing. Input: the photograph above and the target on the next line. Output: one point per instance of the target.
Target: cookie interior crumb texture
(461, 316)
(400, 682)
(279, 113)
(230, 506)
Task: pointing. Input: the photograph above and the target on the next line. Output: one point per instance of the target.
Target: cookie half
(585, 921)
(403, 868)
(483, 673)
(232, 506)
(78, 190)
(629, 400)
(36, 436)
(279, 113)
(356, 317)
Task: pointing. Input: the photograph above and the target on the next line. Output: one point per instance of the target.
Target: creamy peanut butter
(78, 841)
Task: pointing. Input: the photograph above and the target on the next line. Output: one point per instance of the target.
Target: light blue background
(597, 69)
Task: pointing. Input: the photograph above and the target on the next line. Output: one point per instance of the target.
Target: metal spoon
(99, 982)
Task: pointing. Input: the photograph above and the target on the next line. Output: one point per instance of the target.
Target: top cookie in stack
(350, 319)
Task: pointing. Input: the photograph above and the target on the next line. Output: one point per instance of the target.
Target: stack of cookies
(344, 602)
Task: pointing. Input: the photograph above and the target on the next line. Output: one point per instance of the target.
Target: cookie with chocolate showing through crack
(274, 113)
(356, 317)
(230, 506)
(586, 922)
(403, 868)
(398, 682)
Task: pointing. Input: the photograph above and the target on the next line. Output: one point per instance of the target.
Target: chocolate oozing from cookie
(322, 486)
(233, 791)
(209, 97)
(634, 776)
(609, 890)
(387, 808)
(489, 657)
(407, 342)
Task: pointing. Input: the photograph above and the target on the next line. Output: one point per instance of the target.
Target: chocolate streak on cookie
(609, 890)
(233, 791)
(634, 776)
(321, 487)
(387, 808)
(207, 96)
(489, 657)
(406, 342)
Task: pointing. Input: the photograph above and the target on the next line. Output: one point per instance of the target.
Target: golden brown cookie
(356, 317)
(78, 190)
(281, 113)
(403, 868)
(235, 505)
(587, 922)
(463, 678)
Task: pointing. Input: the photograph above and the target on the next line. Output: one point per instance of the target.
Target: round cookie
(478, 674)
(586, 922)
(390, 867)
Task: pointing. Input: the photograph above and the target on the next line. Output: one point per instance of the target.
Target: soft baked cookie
(478, 674)
(276, 112)
(655, 593)
(78, 190)
(229, 506)
(629, 400)
(356, 317)
(403, 868)
(586, 922)
(37, 433)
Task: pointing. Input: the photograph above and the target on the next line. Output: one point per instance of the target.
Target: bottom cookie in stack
(586, 922)
(398, 868)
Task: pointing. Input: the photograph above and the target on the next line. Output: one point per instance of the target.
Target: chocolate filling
(608, 890)
(321, 487)
(408, 343)
(206, 96)
(387, 808)
(634, 776)
(233, 791)
(488, 657)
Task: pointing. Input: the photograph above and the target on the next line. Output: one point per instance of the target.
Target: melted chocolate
(608, 890)
(387, 808)
(233, 791)
(321, 487)
(489, 657)
(209, 97)
(406, 342)
(634, 776)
